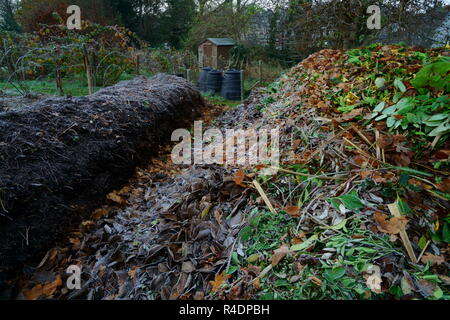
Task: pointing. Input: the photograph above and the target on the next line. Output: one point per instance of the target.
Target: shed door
(207, 55)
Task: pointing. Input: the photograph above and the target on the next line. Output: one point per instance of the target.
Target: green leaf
(390, 111)
(404, 207)
(246, 233)
(442, 129)
(390, 122)
(351, 201)
(399, 84)
(446, 233)
(232, 269)
(383, 116)
(380, 107)
(422, 242)
(334, 274)
(433, 75)
(412, 171)
(309, 242)
(379, 82)
(438, 294)
(438, 117)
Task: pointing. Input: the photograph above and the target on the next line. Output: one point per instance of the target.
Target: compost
(61, 156)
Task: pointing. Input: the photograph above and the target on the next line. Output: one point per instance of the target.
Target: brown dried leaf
(279, 254)
(391, 226)
(351, 115)
(239, 178)
(426, 288)
(50, 288)
(293, 211)
(218, 281)
(444, 186)
(100, 213)
(434, 260)
(34, 293)
(113, 196)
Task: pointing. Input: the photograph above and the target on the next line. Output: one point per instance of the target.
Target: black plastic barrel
(231, 86)
(202, 82)
(214, 81)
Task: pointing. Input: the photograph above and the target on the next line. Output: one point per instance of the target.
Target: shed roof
(222, 41)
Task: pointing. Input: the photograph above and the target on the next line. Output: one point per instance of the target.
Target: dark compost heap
(61, 156)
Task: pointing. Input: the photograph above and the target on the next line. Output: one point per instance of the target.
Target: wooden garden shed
(215, 52)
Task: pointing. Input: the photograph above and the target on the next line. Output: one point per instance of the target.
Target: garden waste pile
(359, 207)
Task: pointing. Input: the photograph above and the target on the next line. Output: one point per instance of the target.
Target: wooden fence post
(138, 64)
(260, 71)
(242, 86)
(87, 67)
(59, 83)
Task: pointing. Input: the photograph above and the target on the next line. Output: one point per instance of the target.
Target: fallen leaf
(50, 288)
(384, 141)
(199, 295)
(132, 272)
(187, 267)
(426, 288)
(239, 178)
(442, 154)
(279, 254)
(350, 115)
(34, 293)
(407, 284)
(444, 186)
(391, 226)
(218, 281)
(113, 196)
(100, 213)
(293, 211)
(434, 260)
(316, 281)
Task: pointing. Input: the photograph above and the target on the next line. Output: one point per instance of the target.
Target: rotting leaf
(239, 178)
(392, 226)
(279, 254)
(426, 288)
(113, 196)
(34, 293)
(434, 260)
(100, 213)
(50, 288)
(293, 211)
(218, 281)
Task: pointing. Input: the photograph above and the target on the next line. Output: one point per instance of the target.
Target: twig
(377, 148)
(362, 135)
(435, 141)
(330, 176)
(358, 148)
(264, 196)
(423, 250)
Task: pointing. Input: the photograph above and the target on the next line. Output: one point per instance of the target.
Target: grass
(216, 99)
(72, 86)
(78, 87)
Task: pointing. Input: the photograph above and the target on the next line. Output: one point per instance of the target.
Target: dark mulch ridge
(59, 157)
